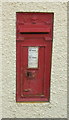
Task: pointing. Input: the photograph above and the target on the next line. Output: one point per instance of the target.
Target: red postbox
(34, 36)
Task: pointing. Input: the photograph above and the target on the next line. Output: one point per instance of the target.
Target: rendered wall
(57, 107)
(0, 60)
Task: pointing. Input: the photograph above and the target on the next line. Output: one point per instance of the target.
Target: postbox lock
(30, 74)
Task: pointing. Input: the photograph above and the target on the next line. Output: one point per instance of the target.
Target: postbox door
(32, 71)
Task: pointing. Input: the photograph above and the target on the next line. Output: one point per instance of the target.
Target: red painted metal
(33, 29)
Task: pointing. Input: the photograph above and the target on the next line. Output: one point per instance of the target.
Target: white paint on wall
(35, 1)
(57, 107)
(0, 60)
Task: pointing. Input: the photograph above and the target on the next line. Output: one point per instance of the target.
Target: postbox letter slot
(34, 32)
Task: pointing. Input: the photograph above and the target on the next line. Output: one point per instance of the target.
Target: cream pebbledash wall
(57, 107)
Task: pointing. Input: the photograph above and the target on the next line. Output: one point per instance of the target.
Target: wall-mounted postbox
(34, 35)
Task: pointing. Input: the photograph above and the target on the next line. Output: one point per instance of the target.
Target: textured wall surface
(57, 107)
(0, 60)
(68, 57)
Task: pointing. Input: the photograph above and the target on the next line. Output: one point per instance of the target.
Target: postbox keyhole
(29, 74)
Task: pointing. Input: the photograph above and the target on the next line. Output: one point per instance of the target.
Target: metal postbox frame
(32, 30)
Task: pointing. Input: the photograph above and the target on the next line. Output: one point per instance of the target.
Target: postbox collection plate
(32, 57)
(34, 34)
